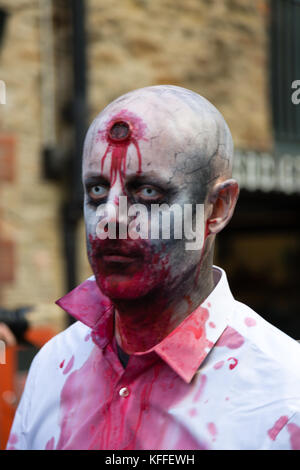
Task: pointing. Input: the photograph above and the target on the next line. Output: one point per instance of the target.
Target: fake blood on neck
(136, 290)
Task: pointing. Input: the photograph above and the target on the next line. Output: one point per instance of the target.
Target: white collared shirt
(223, 379)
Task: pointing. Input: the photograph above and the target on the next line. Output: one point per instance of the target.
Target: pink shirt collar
(185, 348)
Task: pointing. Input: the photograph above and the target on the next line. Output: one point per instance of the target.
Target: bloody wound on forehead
(120, 134)
(119, 131)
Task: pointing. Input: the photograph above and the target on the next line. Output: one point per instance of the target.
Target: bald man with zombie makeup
(162, 356)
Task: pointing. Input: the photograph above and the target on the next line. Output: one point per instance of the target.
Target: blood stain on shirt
(62, 364)
(13, 439)
(230, 338)
(50, 444)
(93, 416)
(211, 324)
(193, 412)
(87, 337)
(294, 432)
(211, 427)
(278, 425)
(218, 365)
(69, 366)
(250, 321)
(200, 390)
(234, 363)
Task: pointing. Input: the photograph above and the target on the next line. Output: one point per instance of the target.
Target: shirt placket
(121, 417)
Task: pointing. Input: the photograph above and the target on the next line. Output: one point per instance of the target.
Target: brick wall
(7, 244)
(30, 255)
(218, 48)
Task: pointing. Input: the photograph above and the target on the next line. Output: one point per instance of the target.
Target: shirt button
(124, 392)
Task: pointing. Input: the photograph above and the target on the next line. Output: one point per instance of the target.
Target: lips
(119, 262)
(117, 253)
(120, 252)
(117, 258)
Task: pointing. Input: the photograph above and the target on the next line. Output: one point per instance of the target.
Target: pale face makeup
(144, 163)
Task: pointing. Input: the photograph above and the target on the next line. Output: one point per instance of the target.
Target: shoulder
(264, 334)
(263, 380)
(51, 366)
(48, 373)
(271, 349)
(74, 341)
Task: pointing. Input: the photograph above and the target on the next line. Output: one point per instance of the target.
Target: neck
(140, 324)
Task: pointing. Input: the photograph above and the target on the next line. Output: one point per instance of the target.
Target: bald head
(187, 125)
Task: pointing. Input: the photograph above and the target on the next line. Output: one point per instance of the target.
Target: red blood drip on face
(123, 130)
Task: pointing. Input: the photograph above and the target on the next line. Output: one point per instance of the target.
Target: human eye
(149, 193)
(97, 192)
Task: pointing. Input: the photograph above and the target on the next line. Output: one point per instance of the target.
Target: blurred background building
(63, 61)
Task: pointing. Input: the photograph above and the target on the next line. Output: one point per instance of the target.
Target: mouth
(117, 258)
(111, 257)
(116, 263)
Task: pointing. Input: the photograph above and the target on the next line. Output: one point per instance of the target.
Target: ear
(222, 199)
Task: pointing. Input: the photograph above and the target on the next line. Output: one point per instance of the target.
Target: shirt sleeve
(289, 436)
(19, 438)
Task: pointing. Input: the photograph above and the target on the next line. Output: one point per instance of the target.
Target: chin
(122, 287)
(128, 279)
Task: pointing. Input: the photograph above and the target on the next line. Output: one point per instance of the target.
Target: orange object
(12, 381)
(7, 394)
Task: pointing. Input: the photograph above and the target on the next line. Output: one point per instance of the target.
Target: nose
(113, 215)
